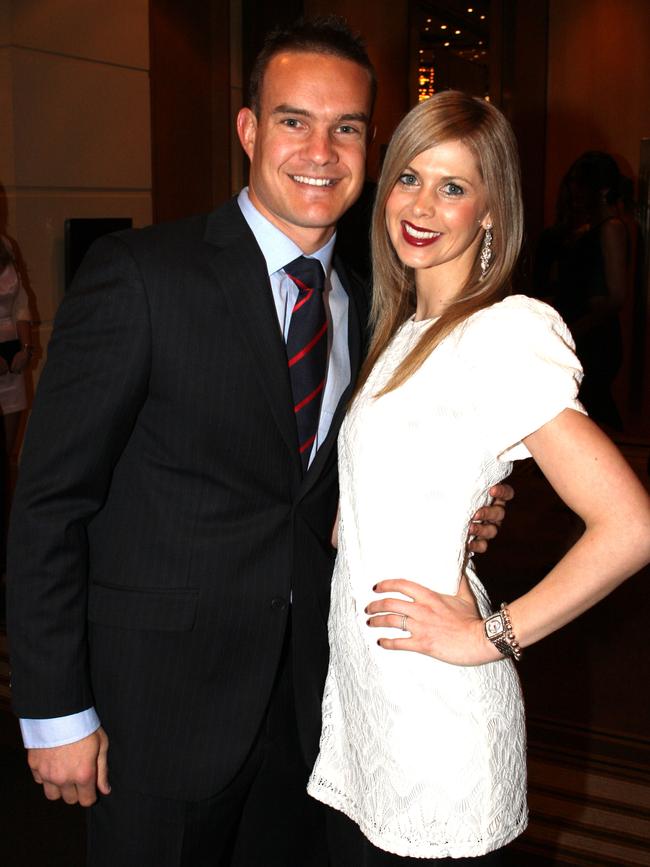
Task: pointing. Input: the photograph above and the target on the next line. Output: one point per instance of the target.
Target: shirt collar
(277, 249)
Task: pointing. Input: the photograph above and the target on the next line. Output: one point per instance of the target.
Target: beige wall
(74, 102)
(385, 30)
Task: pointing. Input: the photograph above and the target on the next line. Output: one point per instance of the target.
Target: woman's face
(437, 210)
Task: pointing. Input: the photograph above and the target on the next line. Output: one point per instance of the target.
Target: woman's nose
(424, 204)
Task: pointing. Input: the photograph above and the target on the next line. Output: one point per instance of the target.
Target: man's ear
(246, 130)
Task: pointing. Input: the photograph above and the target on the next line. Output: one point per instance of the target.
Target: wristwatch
(498, 630)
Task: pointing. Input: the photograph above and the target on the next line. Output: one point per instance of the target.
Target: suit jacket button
(278, 603)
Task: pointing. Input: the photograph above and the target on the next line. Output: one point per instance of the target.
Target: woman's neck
(434, 293)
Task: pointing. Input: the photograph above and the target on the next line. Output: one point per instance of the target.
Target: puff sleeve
(529, 372)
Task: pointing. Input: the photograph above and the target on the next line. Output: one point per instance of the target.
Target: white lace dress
(429, 758)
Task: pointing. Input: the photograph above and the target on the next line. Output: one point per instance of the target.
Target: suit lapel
(239, 271)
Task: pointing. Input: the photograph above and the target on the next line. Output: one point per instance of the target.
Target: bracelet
(498, 629)
(510, 635)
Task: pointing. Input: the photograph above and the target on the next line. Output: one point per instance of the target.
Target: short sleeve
(529, 372)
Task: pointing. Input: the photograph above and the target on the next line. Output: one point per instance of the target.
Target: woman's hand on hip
(448, 628)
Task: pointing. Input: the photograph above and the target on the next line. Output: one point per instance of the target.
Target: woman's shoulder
(517, 318)
(524, 352)
(612, 230)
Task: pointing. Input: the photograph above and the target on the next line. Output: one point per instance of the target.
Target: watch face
(494, 626)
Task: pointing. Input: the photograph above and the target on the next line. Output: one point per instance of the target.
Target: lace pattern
(427, 758)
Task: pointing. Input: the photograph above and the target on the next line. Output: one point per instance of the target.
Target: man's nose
(320, 148)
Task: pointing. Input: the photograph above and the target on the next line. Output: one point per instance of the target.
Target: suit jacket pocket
(170, 609)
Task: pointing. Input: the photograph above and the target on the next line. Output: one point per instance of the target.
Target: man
(171, 556)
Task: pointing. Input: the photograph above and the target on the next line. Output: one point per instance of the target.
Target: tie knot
(306, 273)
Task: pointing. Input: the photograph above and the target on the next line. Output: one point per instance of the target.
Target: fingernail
(374, 586)
(368, 622)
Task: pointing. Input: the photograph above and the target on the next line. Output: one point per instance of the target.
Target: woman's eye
(452, 189)
(408, 180)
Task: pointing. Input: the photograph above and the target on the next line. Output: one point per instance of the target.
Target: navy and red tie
(307, 350)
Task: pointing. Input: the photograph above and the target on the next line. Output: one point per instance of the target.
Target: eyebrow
(444, 178)
(284, 108)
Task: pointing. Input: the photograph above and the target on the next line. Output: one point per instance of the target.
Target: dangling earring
(486, 250)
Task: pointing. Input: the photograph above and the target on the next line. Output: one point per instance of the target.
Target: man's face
(308, 146)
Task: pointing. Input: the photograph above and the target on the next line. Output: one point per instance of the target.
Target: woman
(425, 751)
(15, 355)
(15, 344)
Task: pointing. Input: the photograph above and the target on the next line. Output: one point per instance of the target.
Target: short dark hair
(328, 34)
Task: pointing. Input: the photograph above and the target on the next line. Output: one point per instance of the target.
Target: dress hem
(338, 801)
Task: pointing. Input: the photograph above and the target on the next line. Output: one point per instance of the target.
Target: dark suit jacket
(161, 518)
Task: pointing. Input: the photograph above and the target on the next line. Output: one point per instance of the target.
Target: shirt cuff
(43, 733)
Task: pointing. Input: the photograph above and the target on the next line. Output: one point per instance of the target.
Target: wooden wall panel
(190, 106)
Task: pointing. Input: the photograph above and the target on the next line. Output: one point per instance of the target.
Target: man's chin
(314, 217)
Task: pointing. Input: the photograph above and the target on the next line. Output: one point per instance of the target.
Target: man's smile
(314, 182)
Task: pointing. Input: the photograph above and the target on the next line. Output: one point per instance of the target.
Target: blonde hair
(447, 116)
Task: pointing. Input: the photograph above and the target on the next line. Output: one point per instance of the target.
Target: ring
(405, 617)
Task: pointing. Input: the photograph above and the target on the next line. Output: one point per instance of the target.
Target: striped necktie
(307, 350)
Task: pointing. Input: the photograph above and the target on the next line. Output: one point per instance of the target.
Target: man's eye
(408, 179)
(348, 130)
(291, 122)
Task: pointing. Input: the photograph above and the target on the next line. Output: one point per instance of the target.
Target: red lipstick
(417, 236)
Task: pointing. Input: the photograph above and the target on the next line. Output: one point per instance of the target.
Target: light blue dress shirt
(278, 250)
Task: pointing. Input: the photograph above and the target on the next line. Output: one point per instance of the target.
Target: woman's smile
(417, 235)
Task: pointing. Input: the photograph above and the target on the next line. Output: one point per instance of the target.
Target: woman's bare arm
(588, 472)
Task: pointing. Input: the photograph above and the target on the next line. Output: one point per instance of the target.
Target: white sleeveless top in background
(429, 758)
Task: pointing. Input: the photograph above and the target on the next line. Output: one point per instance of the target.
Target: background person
(583, 268)
(15, 343)
(15, 355)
